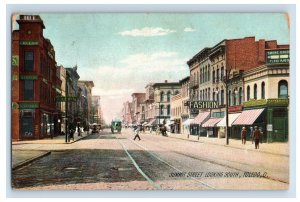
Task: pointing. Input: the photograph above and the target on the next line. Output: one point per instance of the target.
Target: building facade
(138, 107)
(34, 81)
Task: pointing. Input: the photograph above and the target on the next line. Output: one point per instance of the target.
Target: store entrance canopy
(248, 117)
(231, 118)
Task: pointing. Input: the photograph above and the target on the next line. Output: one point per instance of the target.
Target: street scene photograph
(150, 101)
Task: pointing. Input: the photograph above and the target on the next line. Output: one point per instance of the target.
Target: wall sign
(28, 77)
(278, 56)
(15, 60)
(202, 104)
(28, 105)
(29, 43)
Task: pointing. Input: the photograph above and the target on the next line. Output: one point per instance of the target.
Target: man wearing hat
(137, 131)
(256, 137)
(243, 135)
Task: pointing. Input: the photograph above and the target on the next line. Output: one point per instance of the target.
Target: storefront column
(269, 121)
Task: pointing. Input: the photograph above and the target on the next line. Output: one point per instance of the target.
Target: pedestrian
(243, 135)
(137, 131)
(256, 137)
(251, 133)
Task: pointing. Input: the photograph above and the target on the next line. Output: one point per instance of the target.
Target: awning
(187, 122)
(231, 118)
(211, 122)
(151, 122)
(200, 118)
(248, 117)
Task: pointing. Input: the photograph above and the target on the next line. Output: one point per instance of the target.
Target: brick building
(35, 83)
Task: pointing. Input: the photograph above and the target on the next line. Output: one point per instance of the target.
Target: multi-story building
(127, 113)
(149, 105)
(89, 85)
(83, 104)
(138, 107)
(185, 113)
(176, 110)
(34, 81)
(62, 105)
(162, 100)
(225, 63)
(96, 109)
(267, 97)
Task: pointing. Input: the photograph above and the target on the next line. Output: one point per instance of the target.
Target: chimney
(166, 81)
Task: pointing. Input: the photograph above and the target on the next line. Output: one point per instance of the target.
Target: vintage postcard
(150, 101)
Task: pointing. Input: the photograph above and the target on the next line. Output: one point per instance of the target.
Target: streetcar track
(221, 164)
(157, 186)
(165, 162)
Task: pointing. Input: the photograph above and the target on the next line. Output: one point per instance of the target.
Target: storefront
(222, 124)
(211, 126)
(198, 121)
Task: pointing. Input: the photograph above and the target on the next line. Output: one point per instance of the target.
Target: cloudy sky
(121, 53)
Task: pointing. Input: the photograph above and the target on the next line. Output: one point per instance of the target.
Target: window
(168, 110)
(283, 89)
(218, 74)
(218, 97)
(28, 89)
(208, 73)
(214, 76)
(162, 96)
(208, 94)
(240, 96)
(234, 97)
(263, 90)
(222, 97)
(29, 62)
(255, 92)
(161, 109)
(229, 101)
(169, 96)
(248, 93)
(214, 96)
(222, 73)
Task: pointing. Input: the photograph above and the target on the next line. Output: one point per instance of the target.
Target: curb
(229, 146)
(26, 162)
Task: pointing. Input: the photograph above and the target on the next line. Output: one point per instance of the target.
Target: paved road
(115, 161)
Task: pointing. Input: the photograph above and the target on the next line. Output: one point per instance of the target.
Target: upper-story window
(168, 96)
(28, 61)
(214, 76)
(248, 93)
(263, 90)
(255, 92)
(283, 89)
(168, 109)
(240, 96)
(218, 74)
(28, 89)
(230, 98)
(162, 96)
(222, 72)
(222, 97)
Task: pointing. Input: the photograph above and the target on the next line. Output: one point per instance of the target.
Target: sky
(123, 52)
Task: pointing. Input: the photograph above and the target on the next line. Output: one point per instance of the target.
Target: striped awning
(200, 118)
(212, 122)
(248, 117)
(231, 118)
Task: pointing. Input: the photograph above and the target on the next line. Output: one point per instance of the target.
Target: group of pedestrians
(255, 135)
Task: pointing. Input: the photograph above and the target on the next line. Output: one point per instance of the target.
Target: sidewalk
(61, 139)
(23, 157)
(277, 148)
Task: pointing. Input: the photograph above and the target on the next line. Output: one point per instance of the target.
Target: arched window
(168, 96)
(283, 89)
(234, 97)
(240, 96)
(222, 97)
(214, 96)
(222, 73)
(263, 90)
(248, 93)
(208, 72)
(162, 94)
(168, 110)
(208, 93)
(229, 98)
(214, 76)
(255, 92)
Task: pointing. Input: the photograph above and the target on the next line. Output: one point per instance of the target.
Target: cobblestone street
(115, 161)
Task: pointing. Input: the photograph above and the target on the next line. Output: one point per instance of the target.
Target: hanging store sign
(29, 43)
(202, 104)
(66, 99)
(28, 77)
(278, 56)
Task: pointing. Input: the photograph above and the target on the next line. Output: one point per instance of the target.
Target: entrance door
(280, 129)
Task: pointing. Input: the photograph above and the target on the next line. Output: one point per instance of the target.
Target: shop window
(29, 61)
(27, 122)
(282, 89)
(263, 90)
(28, 89)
